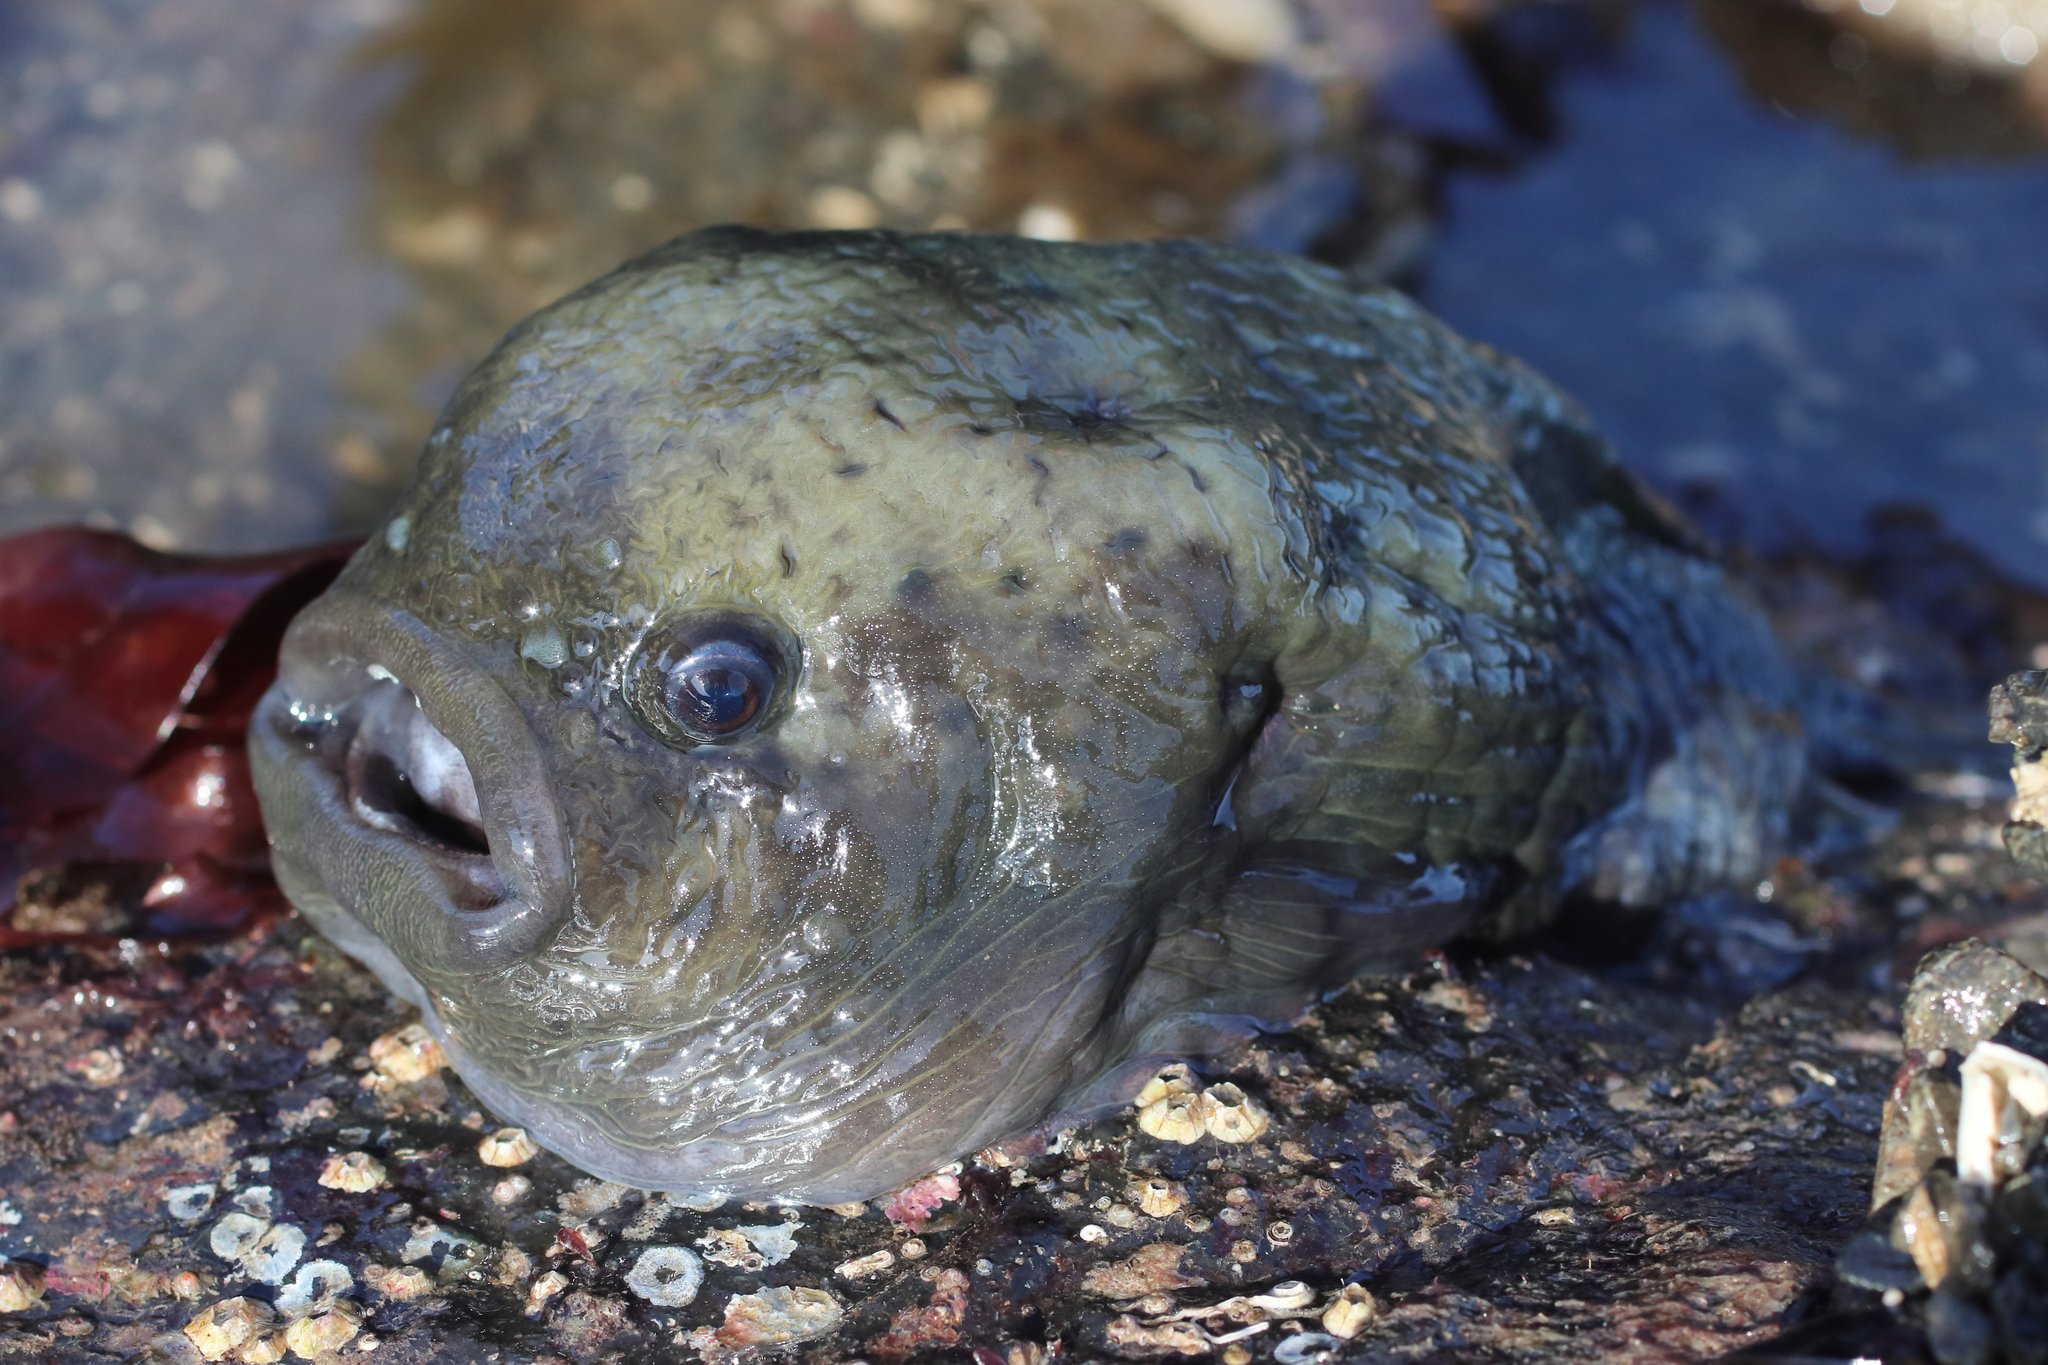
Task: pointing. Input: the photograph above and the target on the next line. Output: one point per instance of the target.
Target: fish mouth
(409, 808)
(402, 776)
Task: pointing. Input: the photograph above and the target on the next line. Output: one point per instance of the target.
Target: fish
(831, 702)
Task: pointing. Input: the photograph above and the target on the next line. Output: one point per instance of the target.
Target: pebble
(842, 206)
(1049, 223)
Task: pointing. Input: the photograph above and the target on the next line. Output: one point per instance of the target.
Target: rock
(2018, 1219)
(2019, 717)
(1963, 1167)
(1877, 1259)
(1963, 994)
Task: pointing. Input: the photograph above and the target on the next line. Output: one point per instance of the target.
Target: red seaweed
(126, 678)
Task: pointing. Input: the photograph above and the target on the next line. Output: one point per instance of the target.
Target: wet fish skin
(1159, 635)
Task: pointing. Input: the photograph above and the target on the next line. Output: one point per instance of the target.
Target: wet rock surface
(1513, 1154)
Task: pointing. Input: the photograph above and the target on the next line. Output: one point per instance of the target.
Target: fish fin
(1277, 936)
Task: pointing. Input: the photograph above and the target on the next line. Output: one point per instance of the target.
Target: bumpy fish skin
(1165, 634)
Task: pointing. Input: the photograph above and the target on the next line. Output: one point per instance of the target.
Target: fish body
(829, 702)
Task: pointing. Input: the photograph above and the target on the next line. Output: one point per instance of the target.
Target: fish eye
(719, 688)
(707, 679)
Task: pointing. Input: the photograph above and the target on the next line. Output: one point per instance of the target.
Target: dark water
(1790, 317)
(244, 253)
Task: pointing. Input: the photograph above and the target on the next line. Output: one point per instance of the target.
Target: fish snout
(398, 774)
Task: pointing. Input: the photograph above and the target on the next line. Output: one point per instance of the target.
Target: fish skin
(1165, 634)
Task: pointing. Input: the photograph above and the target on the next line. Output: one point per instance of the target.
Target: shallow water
(1771, 312)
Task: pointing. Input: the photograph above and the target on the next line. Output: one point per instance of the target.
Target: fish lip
(488, 910)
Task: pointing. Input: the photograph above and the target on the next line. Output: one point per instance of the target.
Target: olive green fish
(830, 702)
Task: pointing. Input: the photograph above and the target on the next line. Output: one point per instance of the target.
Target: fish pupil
(720, 688)
(710, 677)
